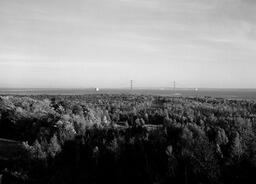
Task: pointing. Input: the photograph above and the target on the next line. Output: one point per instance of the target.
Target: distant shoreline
(248, 94)
(135, 88)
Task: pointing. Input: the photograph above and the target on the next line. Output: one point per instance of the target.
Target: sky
(106, 43)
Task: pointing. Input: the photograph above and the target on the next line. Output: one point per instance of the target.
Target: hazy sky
(105, 43)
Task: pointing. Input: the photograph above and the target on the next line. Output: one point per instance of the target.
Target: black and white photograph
(127, 91)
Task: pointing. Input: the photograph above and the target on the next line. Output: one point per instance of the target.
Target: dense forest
(127, 138)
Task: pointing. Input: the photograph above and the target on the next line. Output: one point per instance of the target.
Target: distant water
(249, 94)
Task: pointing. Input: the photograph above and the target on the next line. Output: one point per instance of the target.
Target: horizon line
(124, 88)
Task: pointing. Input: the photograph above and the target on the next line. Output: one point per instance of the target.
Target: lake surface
(249, 94)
